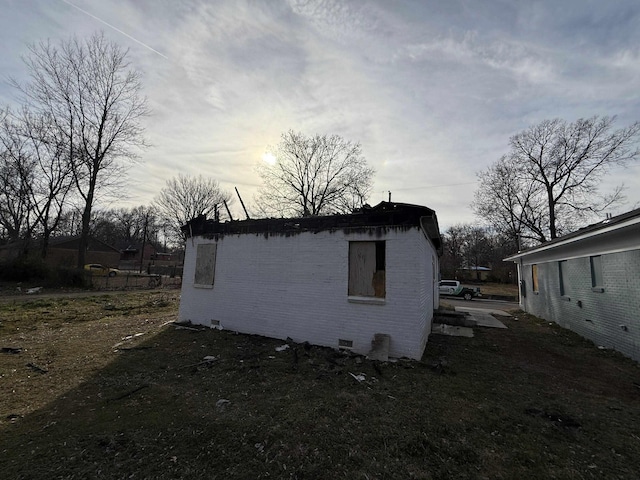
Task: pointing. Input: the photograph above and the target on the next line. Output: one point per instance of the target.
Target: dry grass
(88, 397)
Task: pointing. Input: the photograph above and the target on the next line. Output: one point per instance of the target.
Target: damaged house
(338, 281)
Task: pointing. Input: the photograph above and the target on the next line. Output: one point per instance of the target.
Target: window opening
(562, 270)
(596, 271)
(367, 266)
(205, 264)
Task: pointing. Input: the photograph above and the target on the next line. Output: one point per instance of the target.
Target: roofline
(621, 221)
(385, 214)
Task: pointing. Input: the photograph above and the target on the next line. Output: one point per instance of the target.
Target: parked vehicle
(97, 269)
(455, 289)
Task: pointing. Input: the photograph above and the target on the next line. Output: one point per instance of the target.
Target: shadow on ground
(533, 401)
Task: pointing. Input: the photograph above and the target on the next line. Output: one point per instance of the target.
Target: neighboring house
(63, 252)
(589, 282)
(475, 273)
(132, 255)
(335, 281)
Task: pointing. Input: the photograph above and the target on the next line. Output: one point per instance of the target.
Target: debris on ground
(361, 377)
(206, 361)
(183, 326)
(12, 350)
(126, 339)
(222, 403)
(282, 348)
(440, 366)
(33, 290)
(36, 368)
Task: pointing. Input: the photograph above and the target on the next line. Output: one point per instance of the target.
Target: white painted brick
(296, 286)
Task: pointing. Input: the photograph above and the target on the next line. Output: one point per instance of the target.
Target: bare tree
(52, 177)
(549, 181)
(94, 97)
(16, 173)
(184, 198)
(511, 202)
(316, 175)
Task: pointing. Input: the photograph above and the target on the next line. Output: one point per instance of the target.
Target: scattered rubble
(36, 368)
(12, 350)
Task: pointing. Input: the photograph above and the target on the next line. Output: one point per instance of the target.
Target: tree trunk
(86, 223)
(552, 214)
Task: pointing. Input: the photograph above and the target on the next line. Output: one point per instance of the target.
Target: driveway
(480, 304)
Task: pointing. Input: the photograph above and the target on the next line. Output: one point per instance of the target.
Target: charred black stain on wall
(375, 221)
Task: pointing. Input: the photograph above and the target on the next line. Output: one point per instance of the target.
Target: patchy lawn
(105, 387)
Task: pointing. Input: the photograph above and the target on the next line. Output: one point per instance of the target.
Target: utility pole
(389, 196)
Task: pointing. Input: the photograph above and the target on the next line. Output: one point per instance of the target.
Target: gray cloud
(433, 90)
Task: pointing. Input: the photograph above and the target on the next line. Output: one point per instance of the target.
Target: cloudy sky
(431, 89)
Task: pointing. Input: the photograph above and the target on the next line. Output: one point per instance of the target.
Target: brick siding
(610, 318)
(296, 286)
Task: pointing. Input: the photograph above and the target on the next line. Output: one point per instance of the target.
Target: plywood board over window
(534, 277)
(205, 264)
(367, 266)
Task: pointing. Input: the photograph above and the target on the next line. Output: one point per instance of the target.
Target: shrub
(24, 269)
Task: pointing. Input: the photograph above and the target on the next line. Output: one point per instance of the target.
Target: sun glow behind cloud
(269, 158)
(432, 90)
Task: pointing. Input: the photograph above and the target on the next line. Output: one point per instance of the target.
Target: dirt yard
(109, 387)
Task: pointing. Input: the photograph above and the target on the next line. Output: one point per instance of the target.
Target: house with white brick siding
(589, 282)
(334, 281)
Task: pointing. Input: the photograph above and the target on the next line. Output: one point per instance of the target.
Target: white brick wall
(610, 318)
(296, 286)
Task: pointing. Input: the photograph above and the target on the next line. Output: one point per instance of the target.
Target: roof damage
(383, 216)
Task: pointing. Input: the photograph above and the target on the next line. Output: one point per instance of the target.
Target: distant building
(63, 252)
(475, 273)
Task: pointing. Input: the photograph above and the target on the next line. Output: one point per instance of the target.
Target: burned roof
(385, 214)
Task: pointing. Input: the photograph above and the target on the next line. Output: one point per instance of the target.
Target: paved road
(480, 303)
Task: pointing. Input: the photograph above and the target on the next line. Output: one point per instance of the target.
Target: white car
(456, 289)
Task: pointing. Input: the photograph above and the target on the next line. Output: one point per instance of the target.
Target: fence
(132, 281)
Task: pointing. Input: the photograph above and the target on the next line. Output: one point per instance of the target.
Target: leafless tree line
(549, 182)
(78, 127)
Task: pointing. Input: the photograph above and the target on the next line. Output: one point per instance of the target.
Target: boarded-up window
(205, 264)
(534, 277)
(367, 269)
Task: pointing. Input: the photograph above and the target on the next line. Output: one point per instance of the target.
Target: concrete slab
(483, 318)
(491, 311)
(451, 330)
(380, 347)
